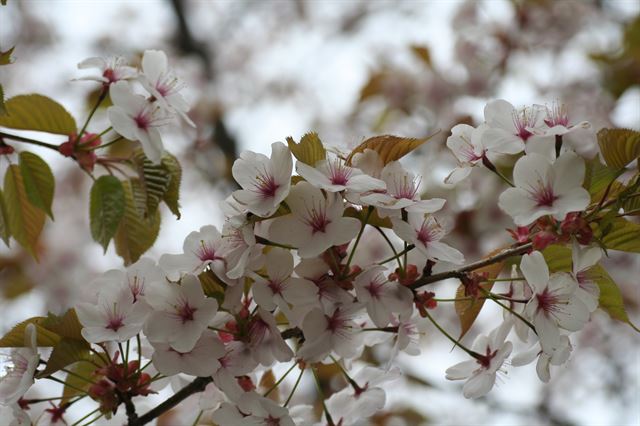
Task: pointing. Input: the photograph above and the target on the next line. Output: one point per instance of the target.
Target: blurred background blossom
(258, 72)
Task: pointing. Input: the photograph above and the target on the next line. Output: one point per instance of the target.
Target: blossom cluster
(279, 283)
(133, 115)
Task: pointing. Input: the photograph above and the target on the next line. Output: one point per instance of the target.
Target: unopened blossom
(381, 297)
(163, 84)
(543, 187)
(555, 356)
(334, 175)
(350, 405)
(116, 316)
(181, 314)
(112, 69)
(279, 288)
(491, 350)
(335, 331)
(508, 127)
(403, 192)
(18, 373)
(201, 360)
(315, 223)
(425, 233)
(136, 118)
(554, 303)
(265, 181)
(584, 259)
(200, 249)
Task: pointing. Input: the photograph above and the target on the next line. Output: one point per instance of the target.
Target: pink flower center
(137, 288)
(336, 321)
(110, 75)
(405, 187)
(142, 120)
(266, 185)
(339, 174)
(543, 195)
(276, 286)
(523, 121)
(375, 288)
(186, 312)
(547, 302)
(557, 115)
(317, 220)
(207, 252)
(429, 231)
(115, 323)
(272, 421)
(485, 360)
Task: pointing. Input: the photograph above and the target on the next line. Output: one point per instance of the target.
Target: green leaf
(83, 373)
(106, 209)
(599, 177)
(65, 352)
(310, 149)
(15, 337)
(39, 182)
(620, 234)
(389, 148)
(5, 57)
(619, 147)
(136, 234)
(25, 220)
(67, 326)
(172, 195)
(5, 231)
(558, 258)
(37, 112)
(154, 180)
(610, 299)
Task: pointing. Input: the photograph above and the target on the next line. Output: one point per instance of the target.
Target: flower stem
(355, 245)
(86, 417)
(295, 386)
(104, 145)
(101, 98)
(454, 341)
(393, 249)
(398, 255)
(523, 319)
(321, 394)
(276, 384)
(28, 140)
(266, 242)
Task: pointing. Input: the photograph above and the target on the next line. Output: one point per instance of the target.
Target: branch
(459, 273)
(198, 385)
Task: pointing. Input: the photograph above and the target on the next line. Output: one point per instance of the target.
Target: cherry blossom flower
(509, 128)
(138, 277)
(369, 162)
(543, 187)
(519, 291)
(19, 371)
(136, 118)
(333, 332)
(265, 181)
(402, 193)
(182, 313)
(115, 317)
(557, 121)
(588, 290)
(329, 294)
(163, 84)
(481, 372)
(252, 409)
(265, 341)
(381, 297)
(408, 337)
(425, 233)
(201, 360)
(349, 405)
(112, 69)
(554, 304)
(334, 176)
(201, 249)
(555, 356)
(239, 248)
(237, 361)
(315, 222)
(278, 288)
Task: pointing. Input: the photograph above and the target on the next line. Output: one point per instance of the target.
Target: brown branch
(461, 272)
(198, 385)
